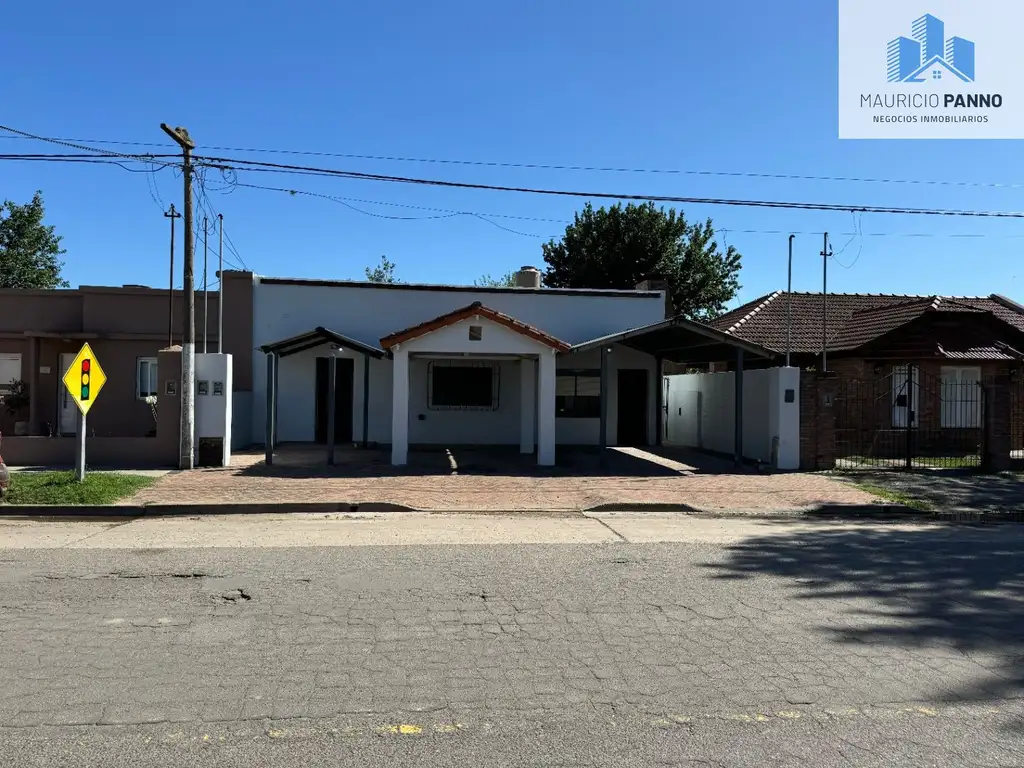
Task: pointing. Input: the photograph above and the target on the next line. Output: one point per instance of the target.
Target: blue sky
(735, 86)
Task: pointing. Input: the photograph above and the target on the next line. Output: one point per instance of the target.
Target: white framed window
(961, 397)
(10, 370)
(146, 383)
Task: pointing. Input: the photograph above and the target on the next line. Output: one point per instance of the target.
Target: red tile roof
(476, 309)
(851, 319)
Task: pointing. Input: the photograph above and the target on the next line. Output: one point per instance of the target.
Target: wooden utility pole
(172, 215)
(186, 459)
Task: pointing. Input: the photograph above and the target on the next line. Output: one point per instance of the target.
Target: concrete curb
(194, 510)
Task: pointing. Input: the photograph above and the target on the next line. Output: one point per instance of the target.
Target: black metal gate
(910, 419)
(1017, 422)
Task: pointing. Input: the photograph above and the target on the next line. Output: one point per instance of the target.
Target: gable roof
(852, 319)
(935, 61)
(476, 309)
(316, 337)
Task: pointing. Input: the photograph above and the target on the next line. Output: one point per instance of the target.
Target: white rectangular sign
(931, 69)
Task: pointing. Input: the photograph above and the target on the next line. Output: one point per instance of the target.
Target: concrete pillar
(659, 401)
(366, 400)
(527, 404)
(400, 408)
(546, 410)
(738, 440)
(997, 415)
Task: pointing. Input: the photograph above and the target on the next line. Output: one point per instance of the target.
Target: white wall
(701, 413)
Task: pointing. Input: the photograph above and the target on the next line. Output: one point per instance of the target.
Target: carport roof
(679, 340)
(315, 338)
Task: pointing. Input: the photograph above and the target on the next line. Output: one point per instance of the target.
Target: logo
(928, 55)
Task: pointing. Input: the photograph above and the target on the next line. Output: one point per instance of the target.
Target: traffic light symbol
(86, 365)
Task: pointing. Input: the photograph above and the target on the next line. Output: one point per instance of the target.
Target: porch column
(546, 410)
(527, 404)
(277, 392)
(400, 408)
(332, 406)
(738, 440)
(268, 438)
(366, 400)
(659, 400)
(33, 385)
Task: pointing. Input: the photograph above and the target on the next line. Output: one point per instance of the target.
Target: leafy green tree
(383, 272)
(29, 250)
(508, 280)
(618, 247)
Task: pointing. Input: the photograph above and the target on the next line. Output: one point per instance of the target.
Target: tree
(29, 250)
(508, 280)
(383, 272)
(620, 246)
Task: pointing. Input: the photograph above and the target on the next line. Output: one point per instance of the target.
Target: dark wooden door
(632, 401)
(342, 400)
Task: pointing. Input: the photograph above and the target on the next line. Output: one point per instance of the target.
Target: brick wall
(817, 420)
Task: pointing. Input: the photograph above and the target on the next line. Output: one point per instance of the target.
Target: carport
(302, 343)
(683, 341)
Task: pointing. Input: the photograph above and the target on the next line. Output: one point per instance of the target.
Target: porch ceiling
(315, 338)
(680, 341)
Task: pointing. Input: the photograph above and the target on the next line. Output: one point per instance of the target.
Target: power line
(557, 167)
(234, 163)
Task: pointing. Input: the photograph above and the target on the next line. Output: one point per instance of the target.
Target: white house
(457, 365)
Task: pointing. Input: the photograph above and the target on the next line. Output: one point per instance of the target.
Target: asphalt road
(765, 644)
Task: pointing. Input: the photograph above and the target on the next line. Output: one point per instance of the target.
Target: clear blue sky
(735, 86)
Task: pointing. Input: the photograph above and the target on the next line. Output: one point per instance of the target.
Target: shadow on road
(953, 586)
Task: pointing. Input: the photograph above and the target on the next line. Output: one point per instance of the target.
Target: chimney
(658, 284)
(528, 277)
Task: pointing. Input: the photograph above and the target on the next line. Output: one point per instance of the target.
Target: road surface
(418, 640)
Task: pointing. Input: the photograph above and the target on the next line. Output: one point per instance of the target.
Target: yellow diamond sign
(84, 379)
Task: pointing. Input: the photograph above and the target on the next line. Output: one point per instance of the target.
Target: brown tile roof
(852, 319)
(476, 309)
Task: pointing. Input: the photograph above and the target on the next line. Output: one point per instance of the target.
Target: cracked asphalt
(718, 643)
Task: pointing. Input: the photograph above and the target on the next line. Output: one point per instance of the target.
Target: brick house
(911, 376)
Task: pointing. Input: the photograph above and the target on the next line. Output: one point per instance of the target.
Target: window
(961, 398)
(462, 386)
(578, 394)
(476, 332)
(145, 377)
(10, 370)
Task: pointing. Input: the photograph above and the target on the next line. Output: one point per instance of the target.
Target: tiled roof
(851, 319)
(476, 309)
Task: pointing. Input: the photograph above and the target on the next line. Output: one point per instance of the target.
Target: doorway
(66, 407)
(632, 402)
(342, 399)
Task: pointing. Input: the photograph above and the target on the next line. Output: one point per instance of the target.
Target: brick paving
(478, 480)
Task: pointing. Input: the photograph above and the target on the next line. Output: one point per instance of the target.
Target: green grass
(896, 497)
(62, 488)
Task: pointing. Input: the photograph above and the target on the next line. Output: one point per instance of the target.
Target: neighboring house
(902, 362)
(432, 364)
(41, 332)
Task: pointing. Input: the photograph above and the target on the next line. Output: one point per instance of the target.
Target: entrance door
(632, 401)
(66, 407)
(342, 400)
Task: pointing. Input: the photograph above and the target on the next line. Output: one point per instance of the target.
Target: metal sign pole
(80, 449)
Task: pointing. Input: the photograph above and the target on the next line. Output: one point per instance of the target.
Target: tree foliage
(619, 247)
(508, 280)
(29, 250)
(383, 272)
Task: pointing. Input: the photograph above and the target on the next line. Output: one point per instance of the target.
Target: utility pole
(206, 287)
(789, 302)
(186, 458)
(172, 215)
(220, 287)
(826, 254)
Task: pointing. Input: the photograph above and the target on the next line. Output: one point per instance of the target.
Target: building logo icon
(928, 55)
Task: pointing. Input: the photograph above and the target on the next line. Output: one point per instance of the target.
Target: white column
(546, 410)
(400, 408)
(527, 404)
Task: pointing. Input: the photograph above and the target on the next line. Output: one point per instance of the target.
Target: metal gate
(1017, 422)
(910, 419)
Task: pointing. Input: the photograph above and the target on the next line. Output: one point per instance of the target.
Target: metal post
(910, 417)
(789, 302)
(366, 400)
(277, 392)
(80, 449)
(738, 438)
(661, 405)
(172, 215)
(825, 256)
(206, 287)
(332, 385)
(220, 286)
(188, 357)
(604, 405)
(268, 439)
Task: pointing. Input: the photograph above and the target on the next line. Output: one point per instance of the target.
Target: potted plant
(16, 403)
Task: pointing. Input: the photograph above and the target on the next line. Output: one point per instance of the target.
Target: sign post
(83, 379)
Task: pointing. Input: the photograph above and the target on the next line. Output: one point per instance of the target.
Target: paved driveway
(502, 480)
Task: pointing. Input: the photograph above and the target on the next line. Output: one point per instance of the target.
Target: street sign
(84, 379)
